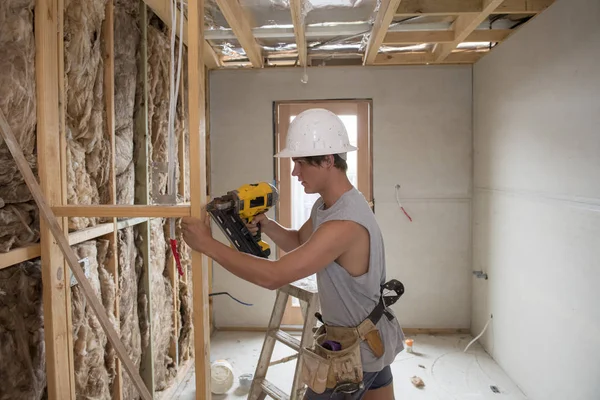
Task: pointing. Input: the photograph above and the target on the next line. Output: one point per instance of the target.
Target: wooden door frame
(363, 109)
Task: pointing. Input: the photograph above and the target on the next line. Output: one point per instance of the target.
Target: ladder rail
(261, 387)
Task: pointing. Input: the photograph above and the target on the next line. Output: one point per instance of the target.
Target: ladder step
(273, 390)
(287, 339)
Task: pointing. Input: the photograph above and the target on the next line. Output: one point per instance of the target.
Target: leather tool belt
(340, 369)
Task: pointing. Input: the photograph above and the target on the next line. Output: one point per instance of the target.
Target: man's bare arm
(286, 239)
(330, 241)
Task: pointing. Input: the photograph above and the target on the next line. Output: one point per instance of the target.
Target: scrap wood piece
(418, 382)
(50, 218)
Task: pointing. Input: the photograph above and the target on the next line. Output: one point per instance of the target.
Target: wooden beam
(122, 211)
(51, 150)
(239, 23)
(410, 8)
(463, 26)
(108, 36)
(57, 232)
(298, 20)
(197, 109)
(142, 197)
(162, 10)
(460, 57)
(21, 254)
(523, 6)
(382, 23)
(415, 37)
(489, 35)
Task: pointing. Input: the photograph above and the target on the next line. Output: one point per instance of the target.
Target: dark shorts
(371, 380)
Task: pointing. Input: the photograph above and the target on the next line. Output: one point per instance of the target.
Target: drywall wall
(537, 202)
(422, 140)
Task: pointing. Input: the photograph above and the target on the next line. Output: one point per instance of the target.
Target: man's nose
(296, 170)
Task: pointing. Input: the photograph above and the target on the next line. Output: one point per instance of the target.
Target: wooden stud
(108, 36)
(57, 231)
(58, 335)
(123, 210)
(298, 20)
(198, 193)
(162, 10)
(209, 264)
(382, 23)
(462, 27)
(239, 23)
(142, 196)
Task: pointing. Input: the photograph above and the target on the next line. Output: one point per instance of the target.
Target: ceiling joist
(459, 57)
(239, 23)
(463, 26)
(410, 8)
(162, 10)
(298, 20)
(384, 17)
(441, 36)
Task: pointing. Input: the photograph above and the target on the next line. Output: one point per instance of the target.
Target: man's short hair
(338, 161)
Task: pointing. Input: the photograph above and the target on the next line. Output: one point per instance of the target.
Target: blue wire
(219, 293)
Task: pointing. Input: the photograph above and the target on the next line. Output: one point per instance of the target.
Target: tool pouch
(369, 333)
(325, 369)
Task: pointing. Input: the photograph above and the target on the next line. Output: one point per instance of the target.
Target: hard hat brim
(287, 153)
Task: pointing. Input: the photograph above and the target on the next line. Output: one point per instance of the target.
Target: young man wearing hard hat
(342, 244)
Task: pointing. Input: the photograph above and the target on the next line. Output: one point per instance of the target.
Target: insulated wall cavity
(88, 143)
(127, 40)
(22, 332)
(19, 220)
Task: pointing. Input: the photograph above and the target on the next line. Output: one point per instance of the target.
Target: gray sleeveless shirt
(347, 300)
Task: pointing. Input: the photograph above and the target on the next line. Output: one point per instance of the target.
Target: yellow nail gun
(231, 212)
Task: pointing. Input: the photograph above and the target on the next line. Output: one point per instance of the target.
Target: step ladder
(261, 387)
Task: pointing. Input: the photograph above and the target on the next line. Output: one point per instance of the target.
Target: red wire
(176, 255)
(405, 213)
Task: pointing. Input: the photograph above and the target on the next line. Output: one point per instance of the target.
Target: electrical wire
(221, 293)
(478, 336)
(400, 204)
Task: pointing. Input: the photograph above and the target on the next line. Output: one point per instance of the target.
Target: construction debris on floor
(438, 369)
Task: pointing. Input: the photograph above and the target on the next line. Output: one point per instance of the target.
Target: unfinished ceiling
(268, 33)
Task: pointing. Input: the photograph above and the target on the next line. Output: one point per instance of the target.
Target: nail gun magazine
(232, 211)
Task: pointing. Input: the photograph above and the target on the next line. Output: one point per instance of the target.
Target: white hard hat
(316, 132)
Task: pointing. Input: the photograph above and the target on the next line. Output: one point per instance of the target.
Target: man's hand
(261, 219)
(196, 232)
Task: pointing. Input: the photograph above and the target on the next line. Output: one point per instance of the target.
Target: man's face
(312, 177)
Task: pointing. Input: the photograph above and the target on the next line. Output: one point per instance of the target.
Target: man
(340, 242)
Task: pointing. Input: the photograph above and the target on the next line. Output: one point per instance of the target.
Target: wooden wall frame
(51, 153)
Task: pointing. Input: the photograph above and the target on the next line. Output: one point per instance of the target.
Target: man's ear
(330, 161)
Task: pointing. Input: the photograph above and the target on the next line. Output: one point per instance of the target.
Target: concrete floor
(448, 372)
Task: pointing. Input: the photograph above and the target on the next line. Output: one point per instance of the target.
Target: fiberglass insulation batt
(19, 220)
(128, 305)
(127, 40)
(88, 143)
(22, 332)
(94, 365)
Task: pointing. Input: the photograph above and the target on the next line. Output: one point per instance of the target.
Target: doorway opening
(294, 204)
